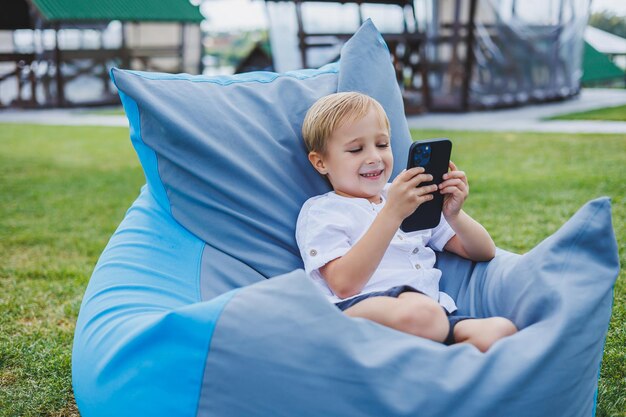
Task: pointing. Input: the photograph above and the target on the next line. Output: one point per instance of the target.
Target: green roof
(125, 10)
(598, 68)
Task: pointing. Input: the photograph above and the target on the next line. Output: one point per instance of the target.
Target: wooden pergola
(43, 72)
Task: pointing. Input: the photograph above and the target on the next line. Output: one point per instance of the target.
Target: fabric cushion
(226, 174)
(225, 156)
(559, 294)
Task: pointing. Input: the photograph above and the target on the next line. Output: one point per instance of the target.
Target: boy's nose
(373, 157)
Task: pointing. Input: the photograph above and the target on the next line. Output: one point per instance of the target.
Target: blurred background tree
(609, 22)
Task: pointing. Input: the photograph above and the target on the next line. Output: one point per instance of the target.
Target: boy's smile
(358, 159)
(374, 175)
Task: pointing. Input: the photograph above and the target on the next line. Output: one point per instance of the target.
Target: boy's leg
(483, 333)
(411, 312)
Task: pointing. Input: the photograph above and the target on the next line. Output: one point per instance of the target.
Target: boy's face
(358, 160)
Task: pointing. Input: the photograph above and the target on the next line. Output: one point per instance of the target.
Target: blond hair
(330, 112)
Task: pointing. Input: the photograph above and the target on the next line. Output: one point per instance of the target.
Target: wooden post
(58, 59)
(33, 82)
(201, 52)
(124, 49)
(469, 58)
(301, 34)
(104, 74)
(360, 8)
(556, 65)
(181, 48)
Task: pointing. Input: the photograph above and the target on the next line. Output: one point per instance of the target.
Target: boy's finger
(405, 175)
(455, 182)
(455, 174)
(427, 189)
(420, 178)
(411, 173)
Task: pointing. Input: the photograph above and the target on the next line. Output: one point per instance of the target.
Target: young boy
(350, 239)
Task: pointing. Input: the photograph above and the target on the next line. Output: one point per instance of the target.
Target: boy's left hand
(455, 189)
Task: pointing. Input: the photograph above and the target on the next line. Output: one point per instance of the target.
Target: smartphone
(434, 156)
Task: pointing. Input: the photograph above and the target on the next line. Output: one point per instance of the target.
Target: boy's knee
(503, 327)
(483, 333)
(424, 318)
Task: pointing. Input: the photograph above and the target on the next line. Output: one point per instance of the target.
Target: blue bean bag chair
(199, 306)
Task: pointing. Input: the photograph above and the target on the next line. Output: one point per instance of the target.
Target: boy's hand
(405, 195)
(455, 189)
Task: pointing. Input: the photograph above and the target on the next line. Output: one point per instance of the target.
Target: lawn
(64, 190)
(616, 114)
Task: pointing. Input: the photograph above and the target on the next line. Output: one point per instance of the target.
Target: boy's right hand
(405, 195)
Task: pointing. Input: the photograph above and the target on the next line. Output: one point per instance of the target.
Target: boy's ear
(318, 162)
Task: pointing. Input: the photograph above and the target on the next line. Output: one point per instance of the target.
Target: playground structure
(459, 55)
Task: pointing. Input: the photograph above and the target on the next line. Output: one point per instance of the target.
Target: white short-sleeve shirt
(330, 224)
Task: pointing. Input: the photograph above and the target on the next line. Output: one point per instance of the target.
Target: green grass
(64, 190)
(617, 114)
(524, 186)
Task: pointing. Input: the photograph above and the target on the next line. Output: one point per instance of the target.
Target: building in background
(58, 52)
(451, 55)
(604, 62)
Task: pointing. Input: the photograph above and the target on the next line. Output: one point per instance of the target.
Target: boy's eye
(383, 145)
(355, 150)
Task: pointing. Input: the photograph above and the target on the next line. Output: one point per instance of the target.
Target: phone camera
(421, 157)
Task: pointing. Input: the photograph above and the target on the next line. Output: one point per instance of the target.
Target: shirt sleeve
(322, 234)
(441, 235)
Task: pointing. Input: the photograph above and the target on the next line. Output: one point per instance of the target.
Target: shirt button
(417, 266)
(400, 237)
(313, 252)
(416, 250)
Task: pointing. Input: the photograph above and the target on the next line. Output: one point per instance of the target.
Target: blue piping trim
(595, 394)
(199, 270)
(257, 76)
(147, 155)
(220, 304)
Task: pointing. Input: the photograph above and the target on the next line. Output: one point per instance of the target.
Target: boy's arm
(347, 275)
(472, 241)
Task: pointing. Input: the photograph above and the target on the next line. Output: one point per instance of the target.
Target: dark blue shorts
(394, 292)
